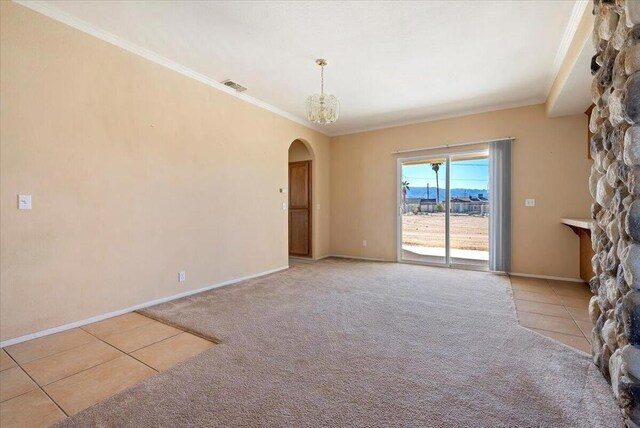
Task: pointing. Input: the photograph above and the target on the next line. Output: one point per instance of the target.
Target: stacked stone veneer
(615, 187)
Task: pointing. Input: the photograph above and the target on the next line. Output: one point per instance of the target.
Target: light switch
(529, 202)
(283, 190)
(24, 202)
(284, 206)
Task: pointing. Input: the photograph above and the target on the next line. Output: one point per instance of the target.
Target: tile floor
(556, 309)
(47, 379)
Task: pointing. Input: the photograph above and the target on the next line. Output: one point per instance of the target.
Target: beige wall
(136, 172)
(549, 164)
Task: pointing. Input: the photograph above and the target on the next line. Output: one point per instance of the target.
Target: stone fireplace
(615, 186)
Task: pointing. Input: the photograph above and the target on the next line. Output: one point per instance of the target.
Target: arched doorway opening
(300, 200)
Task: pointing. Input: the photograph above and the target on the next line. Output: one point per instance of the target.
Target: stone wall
(615, 187)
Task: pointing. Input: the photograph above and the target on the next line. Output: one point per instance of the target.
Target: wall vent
(234, 85)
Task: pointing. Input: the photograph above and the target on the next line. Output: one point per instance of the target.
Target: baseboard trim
(557, 278)
(97, 318)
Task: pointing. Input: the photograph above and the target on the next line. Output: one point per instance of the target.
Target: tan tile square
(33, 409)
(118, 324)
(534, 285)
(586, 327)
(14, 382)
(150, 333)
(580, 293)
(546, 322)
(576, 342)
(533, 288)
(555, 283)
(49, 345)
(6, 361)
(571, 289)
(64, 364)
(528, 280)
(575, 302)
(579, 314)
(536, 297)
(542, 308)
(170, 352)
(86, 388)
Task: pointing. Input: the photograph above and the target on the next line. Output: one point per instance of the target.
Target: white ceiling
(389, 62)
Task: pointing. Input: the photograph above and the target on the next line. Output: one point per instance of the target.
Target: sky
(468, 174)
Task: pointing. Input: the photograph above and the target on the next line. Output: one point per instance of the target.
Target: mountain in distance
(421, 192)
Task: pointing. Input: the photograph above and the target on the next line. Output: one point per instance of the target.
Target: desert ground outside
(468, 232)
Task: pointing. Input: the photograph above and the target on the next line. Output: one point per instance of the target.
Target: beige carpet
(342, 343)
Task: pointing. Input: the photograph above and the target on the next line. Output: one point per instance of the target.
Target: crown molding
(444, 116)
(72, 21)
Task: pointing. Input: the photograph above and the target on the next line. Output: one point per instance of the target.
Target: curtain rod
(397, 152)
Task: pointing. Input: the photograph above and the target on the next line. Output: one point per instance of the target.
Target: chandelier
(322, 108)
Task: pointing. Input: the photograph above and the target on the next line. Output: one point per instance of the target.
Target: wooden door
(300, 208)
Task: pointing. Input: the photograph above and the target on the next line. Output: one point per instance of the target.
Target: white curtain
(500, 205)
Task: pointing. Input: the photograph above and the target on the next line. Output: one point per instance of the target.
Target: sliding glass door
(469, 209)
(444, 210)
(423, 210)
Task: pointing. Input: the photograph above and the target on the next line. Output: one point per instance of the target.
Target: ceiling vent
(234, 85)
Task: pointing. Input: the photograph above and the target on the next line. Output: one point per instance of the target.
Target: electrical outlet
(529, 203)
(24, 202)
(364, 242)
(182, 276)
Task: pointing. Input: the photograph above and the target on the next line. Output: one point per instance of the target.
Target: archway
(300, 215)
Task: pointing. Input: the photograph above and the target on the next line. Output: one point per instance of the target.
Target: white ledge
(582, 223)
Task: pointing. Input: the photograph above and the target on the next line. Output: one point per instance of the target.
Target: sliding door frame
(447, 157)
(400, 161)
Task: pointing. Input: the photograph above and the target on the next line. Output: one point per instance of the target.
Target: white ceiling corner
(390, 63)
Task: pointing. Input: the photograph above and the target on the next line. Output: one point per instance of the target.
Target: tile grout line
(83, 370)
(80, 345)
(72, 374)
(97, 340)
(86, 369)
(558, 296)
(566, 308)
(556, 332)
(152, 343)
(41, 387)
(543, 303)
(574, 320)
(46, 356)
(38, 387)
(545, 315)
(126, 353)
